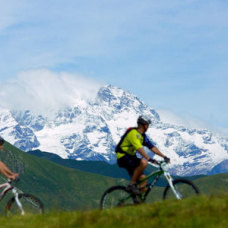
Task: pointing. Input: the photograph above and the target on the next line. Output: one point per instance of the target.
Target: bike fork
(19, 203)
(170, 181)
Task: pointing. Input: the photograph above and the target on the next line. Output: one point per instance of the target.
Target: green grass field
(61, 188)
(194, 212)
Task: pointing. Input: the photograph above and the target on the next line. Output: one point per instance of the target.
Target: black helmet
(143, 120)
(1, 141)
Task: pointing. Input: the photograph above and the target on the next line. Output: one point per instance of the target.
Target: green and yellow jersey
(131, 141)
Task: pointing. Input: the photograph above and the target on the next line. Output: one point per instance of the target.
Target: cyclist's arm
(143, 153)
(157, 151)
(147, 142)
(4, 170)
(153, 149)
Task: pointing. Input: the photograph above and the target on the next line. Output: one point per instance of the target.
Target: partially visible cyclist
(4, 170)
(132, 141)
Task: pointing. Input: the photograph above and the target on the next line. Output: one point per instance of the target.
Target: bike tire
(30, 204)
(184, 187)
(117, 196)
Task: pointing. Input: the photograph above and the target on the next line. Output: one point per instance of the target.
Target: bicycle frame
(120, 195)
(156, 174)
(7, 187)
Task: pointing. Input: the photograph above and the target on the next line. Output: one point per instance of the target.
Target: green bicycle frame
(156, 175)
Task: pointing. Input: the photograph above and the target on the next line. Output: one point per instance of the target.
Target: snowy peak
(26, 118)
(192, 151)
(120, 101)
(89, 130)
(19, 134)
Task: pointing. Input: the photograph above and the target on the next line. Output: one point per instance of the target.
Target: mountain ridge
(90, 131)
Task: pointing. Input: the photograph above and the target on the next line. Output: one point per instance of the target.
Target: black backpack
(118, 148)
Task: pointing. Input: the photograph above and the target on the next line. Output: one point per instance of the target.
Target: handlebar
(157, 163)
(10, 180)
(16, 180)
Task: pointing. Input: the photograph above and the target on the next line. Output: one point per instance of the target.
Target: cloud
(8, 12)
(43, 90)
(50, 33)
(187, 120)
(172, 45)
(182, 120)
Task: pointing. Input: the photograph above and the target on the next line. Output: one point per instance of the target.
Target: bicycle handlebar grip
(152, 160)
(17, 179)
(166, 159)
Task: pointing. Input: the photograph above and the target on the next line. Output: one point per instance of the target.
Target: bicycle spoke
(30, 204)
(116, 197)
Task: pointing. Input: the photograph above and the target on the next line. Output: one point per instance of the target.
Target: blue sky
(171, 54)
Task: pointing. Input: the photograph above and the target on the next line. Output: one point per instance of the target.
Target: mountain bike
(117, 196)
(21, 203)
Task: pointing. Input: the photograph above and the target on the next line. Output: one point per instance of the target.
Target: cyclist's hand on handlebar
(15, 177)
(166, 159)
(151, 160)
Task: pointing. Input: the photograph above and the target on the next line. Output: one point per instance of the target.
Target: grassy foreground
(196, 212)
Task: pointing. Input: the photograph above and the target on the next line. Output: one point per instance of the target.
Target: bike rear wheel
(30, 205)
(184, 189)
(117, 196)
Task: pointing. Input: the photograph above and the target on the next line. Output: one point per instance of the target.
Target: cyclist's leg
(129, 163)
(138, 171)
(135, 167)
(143, 184)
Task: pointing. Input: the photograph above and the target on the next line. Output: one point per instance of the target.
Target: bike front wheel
(26, 204)
(117, 196)
(182, 189)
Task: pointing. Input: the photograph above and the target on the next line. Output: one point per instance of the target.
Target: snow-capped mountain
(90, 131)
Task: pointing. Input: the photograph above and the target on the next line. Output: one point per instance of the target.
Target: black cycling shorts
(130, 163)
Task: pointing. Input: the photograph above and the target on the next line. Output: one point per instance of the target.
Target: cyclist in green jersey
(131, 142)
(4, 170)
